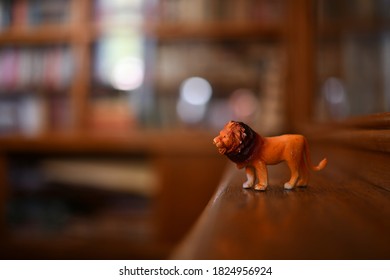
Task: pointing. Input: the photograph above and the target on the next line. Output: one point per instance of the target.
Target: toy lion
(246, 148)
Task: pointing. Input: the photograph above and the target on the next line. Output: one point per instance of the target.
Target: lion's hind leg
(303, 174)
(294, 169)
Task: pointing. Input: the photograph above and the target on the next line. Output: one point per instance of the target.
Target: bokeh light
(128, 74)
(244, 104)
(195, 91)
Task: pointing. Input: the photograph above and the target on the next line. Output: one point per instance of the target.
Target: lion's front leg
(250, 175)
(262, 175)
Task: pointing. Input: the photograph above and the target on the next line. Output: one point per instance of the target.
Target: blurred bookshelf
(83, 50)
(237, 48)
(101, 87)
(352, 59)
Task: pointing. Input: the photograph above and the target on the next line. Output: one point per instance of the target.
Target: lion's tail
(318, 167)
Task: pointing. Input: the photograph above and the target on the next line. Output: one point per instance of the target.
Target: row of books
(30, 114)
(36, 12)
(215, 10)
(118, 12)
(33, 12)
(44, 67)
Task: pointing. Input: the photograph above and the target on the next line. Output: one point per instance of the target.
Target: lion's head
(230, 138)
(236, 140)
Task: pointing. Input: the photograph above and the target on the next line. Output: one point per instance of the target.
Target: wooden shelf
(36, 35)
(213, 30)
(141, 141)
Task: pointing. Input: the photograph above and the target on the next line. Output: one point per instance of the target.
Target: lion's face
(230, 138)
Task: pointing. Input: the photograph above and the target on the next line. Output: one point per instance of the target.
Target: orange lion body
(248, 149)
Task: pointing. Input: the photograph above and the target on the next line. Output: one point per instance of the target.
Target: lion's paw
(287, 186)
(247, 185)
(260, 187)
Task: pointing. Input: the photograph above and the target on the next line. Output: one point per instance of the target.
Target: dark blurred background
(108, 108)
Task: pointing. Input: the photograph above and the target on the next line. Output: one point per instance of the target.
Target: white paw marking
(247, 185)
(260, 187)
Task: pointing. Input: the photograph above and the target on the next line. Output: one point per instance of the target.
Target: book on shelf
(25, 13)
(23, 114)
(19, 13)
(39, 67)
(48, 11)
(111, 12)
(5, 14)
(30, 114)
(8, 115)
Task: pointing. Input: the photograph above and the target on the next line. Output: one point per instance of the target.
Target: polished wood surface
(340, 215)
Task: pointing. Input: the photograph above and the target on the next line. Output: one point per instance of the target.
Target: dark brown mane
(245, 149)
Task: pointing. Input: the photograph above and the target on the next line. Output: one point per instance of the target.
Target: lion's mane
(242, 141)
